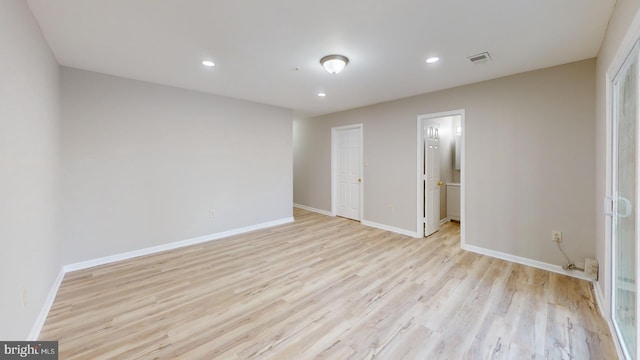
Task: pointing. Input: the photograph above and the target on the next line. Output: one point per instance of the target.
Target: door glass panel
(625, 95)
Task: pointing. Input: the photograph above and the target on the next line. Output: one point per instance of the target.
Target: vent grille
(480, 58)
(591, 268)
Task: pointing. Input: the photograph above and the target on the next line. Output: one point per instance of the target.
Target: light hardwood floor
(325, 288)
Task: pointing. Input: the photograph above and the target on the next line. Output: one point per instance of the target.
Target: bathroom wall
(447, 158)
(457, 120)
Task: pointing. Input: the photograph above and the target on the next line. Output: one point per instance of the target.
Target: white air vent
(591, 268)
(480, 58)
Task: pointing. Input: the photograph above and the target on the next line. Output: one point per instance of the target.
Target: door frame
(419, 162)
(613, 200)
(334, 168)
(631, 38)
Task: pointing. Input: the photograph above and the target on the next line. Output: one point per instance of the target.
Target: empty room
(214, 179)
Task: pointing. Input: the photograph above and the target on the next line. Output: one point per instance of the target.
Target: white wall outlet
(556, 236)
(213, 213)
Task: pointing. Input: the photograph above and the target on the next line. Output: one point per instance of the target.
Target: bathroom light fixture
(208, 63)
(432, 60)
(333, 64)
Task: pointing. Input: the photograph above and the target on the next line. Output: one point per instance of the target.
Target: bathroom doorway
(440, 170)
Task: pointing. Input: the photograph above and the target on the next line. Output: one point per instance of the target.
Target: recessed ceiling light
(432, 60)
(321, 94)
(208, 63)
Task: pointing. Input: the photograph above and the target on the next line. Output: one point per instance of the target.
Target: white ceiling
(257, 44)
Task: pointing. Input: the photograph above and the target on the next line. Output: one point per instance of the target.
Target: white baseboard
(170, 246)
(390, 228)
(600, 302)
(309, 208)
(445, 220)
(599, 299)
(366, 222)
(44, 312)
(525, 261)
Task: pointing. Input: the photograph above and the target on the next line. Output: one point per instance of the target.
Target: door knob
(439, 183)
(359, 180)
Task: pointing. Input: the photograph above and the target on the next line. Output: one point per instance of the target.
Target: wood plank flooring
(325, 288)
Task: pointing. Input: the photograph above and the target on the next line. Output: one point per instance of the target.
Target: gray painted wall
(144, 164)
(529, 160)
(447, 157)
(29, 169)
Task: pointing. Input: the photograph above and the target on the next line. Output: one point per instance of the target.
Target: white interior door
(432, 183)
(349, 177)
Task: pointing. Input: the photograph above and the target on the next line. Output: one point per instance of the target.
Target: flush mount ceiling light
(333, 64)
(432, 60)
(321, 94)
(208, 63)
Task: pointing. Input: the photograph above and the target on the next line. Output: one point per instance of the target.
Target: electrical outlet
(556, 236)
(24, 297)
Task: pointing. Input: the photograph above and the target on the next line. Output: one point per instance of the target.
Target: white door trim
(626, 46)
(419, 187)
(334, 168)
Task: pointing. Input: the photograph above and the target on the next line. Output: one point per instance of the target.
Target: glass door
(625, 214)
